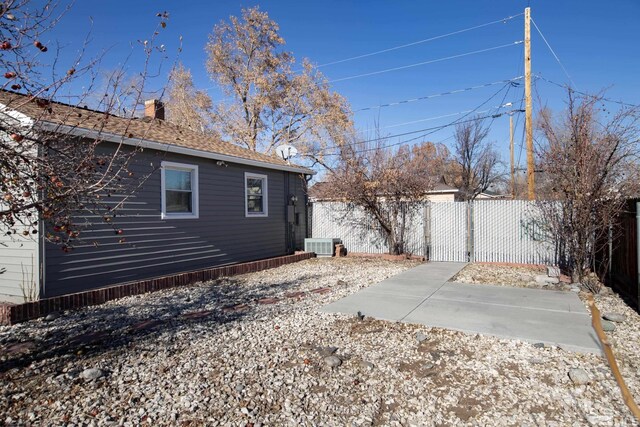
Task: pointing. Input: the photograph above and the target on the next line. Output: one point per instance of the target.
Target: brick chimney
(154, 109)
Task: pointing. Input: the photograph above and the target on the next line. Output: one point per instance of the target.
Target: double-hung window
(255, 195)
(179, 190)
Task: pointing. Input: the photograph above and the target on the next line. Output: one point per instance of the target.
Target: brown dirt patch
(365, 326)
(467, 408)
(428, 346)
(547, 412)
(318, 389)
(502, 275)
(419, 368)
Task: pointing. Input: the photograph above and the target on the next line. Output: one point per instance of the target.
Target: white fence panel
(19, 266)
(498, 231)
(330, 219)
(509, 231)
(358, 234)
(448, 232)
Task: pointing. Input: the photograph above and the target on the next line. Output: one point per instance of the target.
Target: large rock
(92, 374)
(553, 271)
(421, 336)
(614, 317)
(51, 317)
(333, 361)
(608, 326)
(326, 351)
(366, 365)
(546, 280)
(579, 376)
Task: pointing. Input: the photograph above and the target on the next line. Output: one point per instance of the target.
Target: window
(255, 199)
(179, 190)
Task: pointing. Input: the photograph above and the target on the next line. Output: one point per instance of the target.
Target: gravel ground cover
(522, 276)
(254, 350)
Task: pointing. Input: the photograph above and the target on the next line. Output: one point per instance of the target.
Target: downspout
(308, 207)
(287, 225)
(42, 261)
(638, 252)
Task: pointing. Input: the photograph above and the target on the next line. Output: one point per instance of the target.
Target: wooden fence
(623, 266)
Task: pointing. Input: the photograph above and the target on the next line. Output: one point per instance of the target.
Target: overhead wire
(432, 129)
(423, 132)
(432, 61)
(435, 95)
(366, 55)
(475, 110)
(444, 116)
(503, 20)
(615, 101)
(553, 53)
(509, 83)
(502, 104)
(515, 126)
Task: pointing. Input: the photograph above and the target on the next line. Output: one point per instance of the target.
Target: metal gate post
(427, 231)
(470, 232)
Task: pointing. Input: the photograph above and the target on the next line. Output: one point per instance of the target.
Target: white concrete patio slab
(380, 306)
(424, 295)
(511, 296)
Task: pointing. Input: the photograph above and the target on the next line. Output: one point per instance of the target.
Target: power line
(553, 52)
(373, 73)
(459, 120)
(366, 55)
(502, 104)
(433, 129)
(615, 101)
(426, 131)
(442, 116)
(465, 114)
(522, 138)
(516, 127)
(451, 92)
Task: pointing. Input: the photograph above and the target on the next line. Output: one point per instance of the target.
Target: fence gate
(448, 237)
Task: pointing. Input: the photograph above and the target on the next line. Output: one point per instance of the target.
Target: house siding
(154, 246)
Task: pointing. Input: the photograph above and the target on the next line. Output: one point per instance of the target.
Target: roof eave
(170, 148)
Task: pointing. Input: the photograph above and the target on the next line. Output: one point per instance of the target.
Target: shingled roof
(143, 131)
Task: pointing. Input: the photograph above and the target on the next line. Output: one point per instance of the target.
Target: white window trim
(265, 196)
(195, 201)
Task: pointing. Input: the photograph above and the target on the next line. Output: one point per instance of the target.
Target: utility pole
(528, 113)
(513, 168)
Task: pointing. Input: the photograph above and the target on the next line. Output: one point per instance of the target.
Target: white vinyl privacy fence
(480, 231)
(360, 233)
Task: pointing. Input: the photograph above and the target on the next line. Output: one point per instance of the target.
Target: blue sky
(594, 40)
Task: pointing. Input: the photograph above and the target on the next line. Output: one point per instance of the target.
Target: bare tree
(589, 158)
(478, 162)
(271, 103)
(47, 174)
(442, 164)
(388, 186)
(187, 106)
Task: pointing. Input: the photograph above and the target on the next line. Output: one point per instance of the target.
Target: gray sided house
(205, 203)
